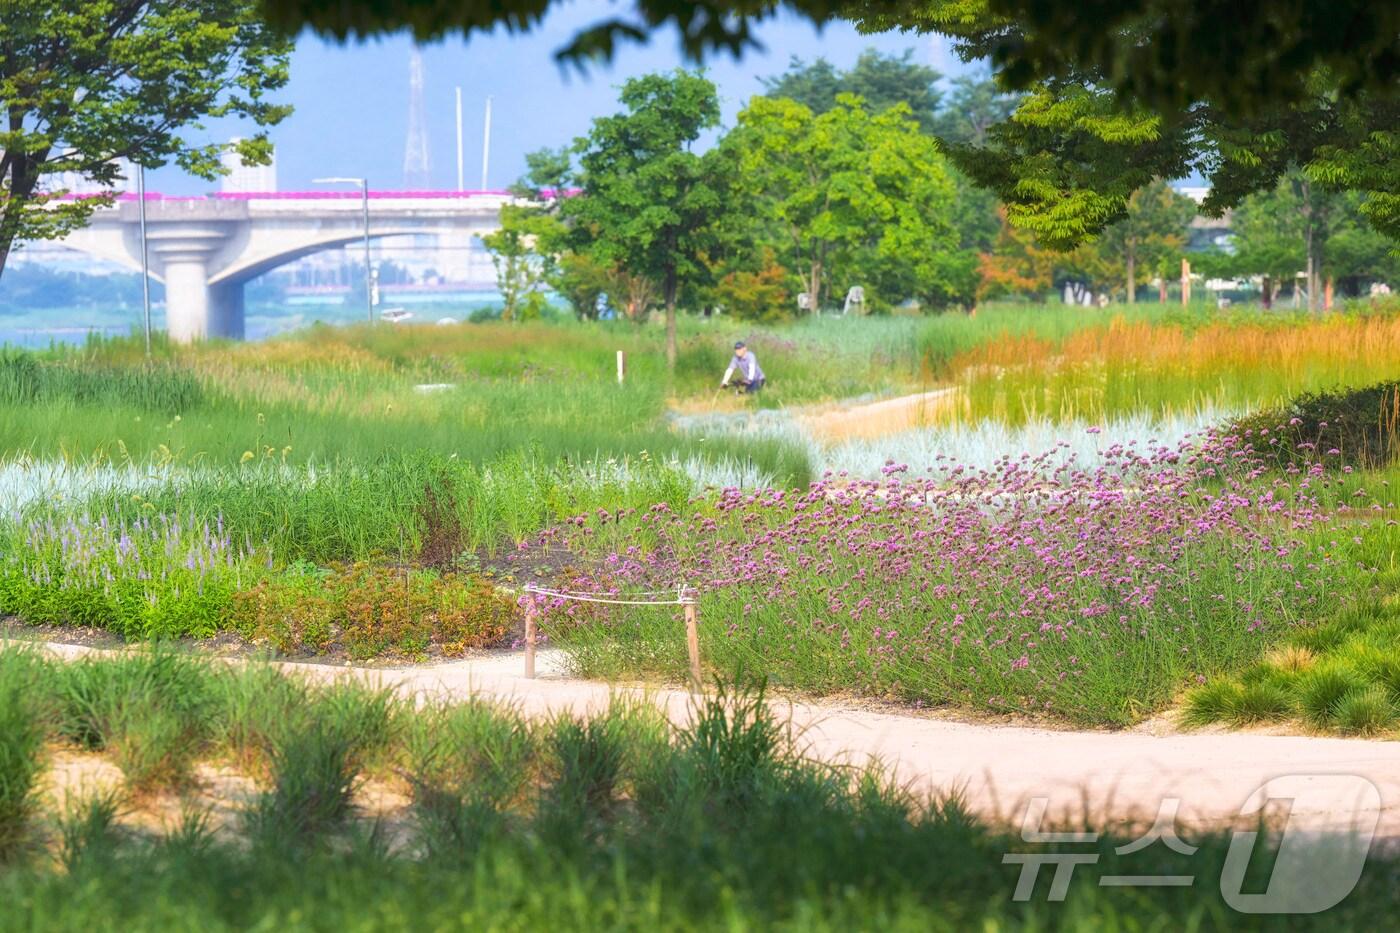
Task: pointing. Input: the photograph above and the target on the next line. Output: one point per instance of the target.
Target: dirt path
(1108, 776)
(877, 419)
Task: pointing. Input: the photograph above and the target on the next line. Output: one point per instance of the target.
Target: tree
(1160, 88)
(1166, 55)
(1299, 227)
(1153, 230)
(814, 86)
(649, 204)
(522, 262)
(848, 188)
(1014, 264)
(86, 84)
(548, 176)
(757, 290)
(975, 106)
(880, 80)
(1103, 118)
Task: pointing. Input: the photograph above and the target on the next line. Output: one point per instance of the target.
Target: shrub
(1359, 428)
(292, 612)
(373, 609)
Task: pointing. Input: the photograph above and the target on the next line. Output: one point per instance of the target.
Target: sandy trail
(878, 419)
(1107, 776)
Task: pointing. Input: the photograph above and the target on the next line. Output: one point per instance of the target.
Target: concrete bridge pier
(194, 309)
(226, 310)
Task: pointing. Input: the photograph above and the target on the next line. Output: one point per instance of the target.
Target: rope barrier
(684, 597)
(677, 599)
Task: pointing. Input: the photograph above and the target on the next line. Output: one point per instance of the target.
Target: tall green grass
(615, 820)
(22, 756)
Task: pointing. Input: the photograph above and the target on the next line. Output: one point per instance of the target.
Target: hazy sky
(351, 101)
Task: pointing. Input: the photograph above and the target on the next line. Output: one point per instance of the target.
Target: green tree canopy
(1298, 227)
(977, 103)
(649, 204)
(880, 80)
(85, 84)
(1121, 91)
(856, 198)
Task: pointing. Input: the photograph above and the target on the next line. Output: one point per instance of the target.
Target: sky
(351, 101)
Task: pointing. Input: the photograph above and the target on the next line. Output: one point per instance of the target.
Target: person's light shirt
(747, 367)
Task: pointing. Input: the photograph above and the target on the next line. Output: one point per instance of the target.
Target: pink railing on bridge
(332, 195)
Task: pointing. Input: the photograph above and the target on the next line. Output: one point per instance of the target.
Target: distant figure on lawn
(746, 365)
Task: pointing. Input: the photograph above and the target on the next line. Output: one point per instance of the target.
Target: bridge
(204, 249)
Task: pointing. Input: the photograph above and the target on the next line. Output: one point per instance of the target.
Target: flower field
(1029, 587)
(1080, 536)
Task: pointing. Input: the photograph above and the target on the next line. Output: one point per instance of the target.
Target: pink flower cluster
(1033, 585)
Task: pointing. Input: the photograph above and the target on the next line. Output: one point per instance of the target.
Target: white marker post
(621, 366)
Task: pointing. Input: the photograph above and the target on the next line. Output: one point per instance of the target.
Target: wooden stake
(530, 640)
(692, 643)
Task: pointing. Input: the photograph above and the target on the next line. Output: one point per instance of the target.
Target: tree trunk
(21, 189)
(1266, 292)
(814, 286)
(1309, 238)
(1132, 272)
(1312, 278)
(671, 287)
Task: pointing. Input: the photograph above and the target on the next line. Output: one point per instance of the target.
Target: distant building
(1196, 193)
(1206, 233)
(242, 178)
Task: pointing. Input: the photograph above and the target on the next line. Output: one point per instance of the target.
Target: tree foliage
(1153, 233)
(522, 254)
(1170, 54)
(85, 84)
(1104, 118)
(1298, 225)
(883, 81)
(880, 80)
(1121, 91)
(850, 191)
(649, 205)
(1167, 55)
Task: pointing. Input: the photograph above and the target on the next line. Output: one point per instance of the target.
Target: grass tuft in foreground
(613, 820)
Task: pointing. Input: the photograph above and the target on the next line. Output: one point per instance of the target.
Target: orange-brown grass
(1134, 367)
